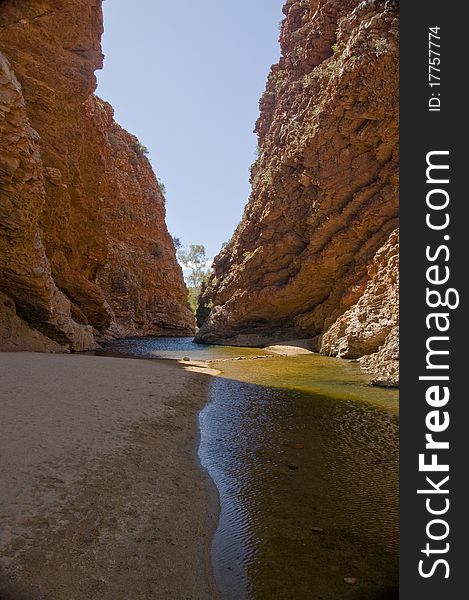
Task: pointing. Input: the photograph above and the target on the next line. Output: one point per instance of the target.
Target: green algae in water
(316, 374)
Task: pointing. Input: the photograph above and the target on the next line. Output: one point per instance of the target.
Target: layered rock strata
(84, 249)
(316, 253)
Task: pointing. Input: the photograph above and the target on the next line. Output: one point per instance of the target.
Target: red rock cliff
(85, 252)
(316, 253)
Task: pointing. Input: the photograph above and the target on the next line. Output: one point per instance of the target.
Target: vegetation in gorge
(197, 273)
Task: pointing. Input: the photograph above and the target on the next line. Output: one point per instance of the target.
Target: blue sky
(186, 77)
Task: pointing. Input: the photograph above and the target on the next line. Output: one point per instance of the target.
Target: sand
(292, 348)
(101, 493)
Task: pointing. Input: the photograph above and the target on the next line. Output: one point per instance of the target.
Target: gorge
(86, 255)
(257, 463)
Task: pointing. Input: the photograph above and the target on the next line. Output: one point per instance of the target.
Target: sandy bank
(101, 494)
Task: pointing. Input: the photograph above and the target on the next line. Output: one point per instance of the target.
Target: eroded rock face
(141, 280)
(16, 334)
(366, 325)
(315, 255)
(79, 219)
(25, 273)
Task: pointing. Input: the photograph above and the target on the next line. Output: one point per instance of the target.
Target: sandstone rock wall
(85, 252)
(316, 253)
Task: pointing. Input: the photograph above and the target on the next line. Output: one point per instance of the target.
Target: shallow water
(305, 458)
(314, 374)
(173, 348)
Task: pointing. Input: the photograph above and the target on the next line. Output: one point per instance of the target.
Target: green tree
(194, 260)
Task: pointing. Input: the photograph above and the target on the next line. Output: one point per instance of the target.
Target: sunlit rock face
(316, 253)
(85, 253)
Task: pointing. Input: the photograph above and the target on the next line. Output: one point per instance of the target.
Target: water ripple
(308, 488)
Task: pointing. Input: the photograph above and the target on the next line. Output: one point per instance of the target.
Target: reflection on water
(166, 347)
(305, 457)
(308, 481)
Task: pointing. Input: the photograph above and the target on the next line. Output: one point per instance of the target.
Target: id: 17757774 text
(434, 60)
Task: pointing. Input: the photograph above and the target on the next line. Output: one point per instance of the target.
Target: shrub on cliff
(162, 186)
(158, 250)
(140, 149)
